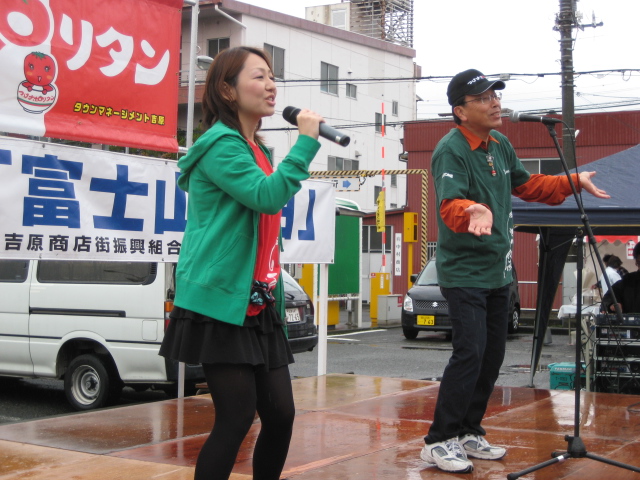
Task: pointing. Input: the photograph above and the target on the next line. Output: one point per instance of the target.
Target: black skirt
(194, 338)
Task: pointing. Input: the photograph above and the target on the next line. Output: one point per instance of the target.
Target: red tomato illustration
(39, 69)
(37, 14)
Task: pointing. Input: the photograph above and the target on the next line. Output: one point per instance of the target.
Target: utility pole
(566, 20)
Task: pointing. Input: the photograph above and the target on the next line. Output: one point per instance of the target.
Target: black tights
(238, 391)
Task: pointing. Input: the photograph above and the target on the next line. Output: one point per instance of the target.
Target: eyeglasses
(487, 99)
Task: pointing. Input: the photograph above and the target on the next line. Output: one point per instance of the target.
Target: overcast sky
(517, 37)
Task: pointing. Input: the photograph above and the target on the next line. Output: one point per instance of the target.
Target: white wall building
(348, 78)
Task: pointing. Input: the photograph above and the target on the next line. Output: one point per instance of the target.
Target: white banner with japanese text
(91, 71)
(309, 224)
(69, 202)
(63, 202)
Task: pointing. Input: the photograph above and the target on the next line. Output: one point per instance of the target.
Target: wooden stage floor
(347, 427)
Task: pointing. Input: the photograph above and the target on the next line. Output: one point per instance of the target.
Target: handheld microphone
(515, 116)
(290, 114)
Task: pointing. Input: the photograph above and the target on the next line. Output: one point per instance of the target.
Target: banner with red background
(91, 71)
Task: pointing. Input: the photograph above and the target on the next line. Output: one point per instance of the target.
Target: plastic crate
(563, 374)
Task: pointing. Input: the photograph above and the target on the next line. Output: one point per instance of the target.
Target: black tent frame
(576, 447)
(557, 225)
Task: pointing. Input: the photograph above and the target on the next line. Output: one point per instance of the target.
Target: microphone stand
(576, 448)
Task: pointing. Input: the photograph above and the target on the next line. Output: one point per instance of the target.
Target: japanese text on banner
(62, 202)
(82, 71)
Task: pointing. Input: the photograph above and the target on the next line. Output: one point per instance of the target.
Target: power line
(449, 77)
(447, 116)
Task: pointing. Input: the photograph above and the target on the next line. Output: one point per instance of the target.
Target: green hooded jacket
(227, 193)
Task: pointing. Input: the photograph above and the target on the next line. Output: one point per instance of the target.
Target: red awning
(613, 238)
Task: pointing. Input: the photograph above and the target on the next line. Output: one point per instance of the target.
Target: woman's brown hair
(223, 73)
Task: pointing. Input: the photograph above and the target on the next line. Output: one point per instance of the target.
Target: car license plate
(293, 315)
(426, 320)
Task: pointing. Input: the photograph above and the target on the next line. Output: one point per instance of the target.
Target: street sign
(346, 184)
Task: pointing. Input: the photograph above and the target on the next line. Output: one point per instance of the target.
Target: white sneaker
(447, 456)
(476, 446)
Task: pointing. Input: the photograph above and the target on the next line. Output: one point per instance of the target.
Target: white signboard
(63, 202)
(397, 258)
(309, 223)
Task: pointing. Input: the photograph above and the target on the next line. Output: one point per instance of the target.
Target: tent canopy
(558, 225)
(619, 215)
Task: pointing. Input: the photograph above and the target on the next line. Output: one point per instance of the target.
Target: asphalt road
(30, 399)
(387, 353)
(382, 352)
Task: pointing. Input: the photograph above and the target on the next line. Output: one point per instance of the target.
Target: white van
(97, 325)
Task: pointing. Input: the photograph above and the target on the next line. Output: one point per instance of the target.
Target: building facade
(600, 135)
(361, 85)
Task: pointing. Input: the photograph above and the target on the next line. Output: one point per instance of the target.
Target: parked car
(425, 309)
(98, 326)
(303, 334)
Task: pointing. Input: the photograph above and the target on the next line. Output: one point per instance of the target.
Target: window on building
(277, 60)
(329, 78)
(379, 119)
(394, 108)
(376, 193)
(532, 166)
(551, 166)
(216, 45)
(431, 249)
(339, 18)
(352, 90)
(546, 166)
(372, 239)
(339, 163)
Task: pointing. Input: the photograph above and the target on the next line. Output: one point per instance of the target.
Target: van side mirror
(414, 277)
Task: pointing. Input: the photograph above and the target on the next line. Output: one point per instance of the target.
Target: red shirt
(267, 268)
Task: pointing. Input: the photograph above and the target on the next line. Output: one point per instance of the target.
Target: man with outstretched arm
(476, 170)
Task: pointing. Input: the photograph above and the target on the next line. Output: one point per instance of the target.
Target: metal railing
(199, 75)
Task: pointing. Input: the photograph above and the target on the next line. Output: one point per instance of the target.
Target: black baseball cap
(470, 82)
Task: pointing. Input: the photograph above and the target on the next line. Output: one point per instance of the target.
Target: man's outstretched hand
(587, 184)
(481, 219)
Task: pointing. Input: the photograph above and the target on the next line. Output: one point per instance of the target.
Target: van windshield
(428, 276)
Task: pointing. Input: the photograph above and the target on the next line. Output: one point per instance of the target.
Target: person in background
(613, 264)
(620, 270)
(475, 171)
(229, 304)
(626, 290)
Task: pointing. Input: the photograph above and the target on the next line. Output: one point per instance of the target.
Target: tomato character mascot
(37, 93)
(39, 69)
